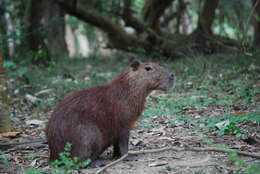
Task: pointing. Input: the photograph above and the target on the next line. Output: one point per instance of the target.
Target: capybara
(95, 118)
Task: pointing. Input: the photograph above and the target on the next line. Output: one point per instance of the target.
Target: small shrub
(67, 163)
(3, 159)
(33, 171)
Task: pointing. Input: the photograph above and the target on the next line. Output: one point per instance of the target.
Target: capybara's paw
(131, 158)
(99, 163)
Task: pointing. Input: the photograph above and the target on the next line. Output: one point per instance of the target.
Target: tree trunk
(180, 16)
(207, 16)
(34, 35)
(153, 10)
(148, 39)
(54, 19)
(5, 122)
(116, 33)
(256, 6)
(3, 26)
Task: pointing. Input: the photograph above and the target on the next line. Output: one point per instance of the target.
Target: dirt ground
(162, 134)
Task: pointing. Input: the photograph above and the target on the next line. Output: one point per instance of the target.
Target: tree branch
(120, 39)
(167, 18)
(6, 146)
(136, 24)
(129, 19)
(206, 18)
(211, 149)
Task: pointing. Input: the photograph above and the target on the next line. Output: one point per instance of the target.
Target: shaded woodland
(170, 28)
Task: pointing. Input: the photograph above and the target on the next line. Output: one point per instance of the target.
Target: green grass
(214, 82)
(203, 83)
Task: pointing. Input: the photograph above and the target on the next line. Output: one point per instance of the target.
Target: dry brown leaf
(149, 140)
(9, 135)
(158, 131)
(166, 138)
(239, 114)
(135, 142)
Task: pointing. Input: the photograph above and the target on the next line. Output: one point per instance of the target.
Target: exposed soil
(161, 134)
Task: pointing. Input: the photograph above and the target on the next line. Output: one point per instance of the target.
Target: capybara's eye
(148, 68)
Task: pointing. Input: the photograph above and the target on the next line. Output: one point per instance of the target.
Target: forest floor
(216, 103)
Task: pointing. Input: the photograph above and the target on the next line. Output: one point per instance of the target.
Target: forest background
(49, 48)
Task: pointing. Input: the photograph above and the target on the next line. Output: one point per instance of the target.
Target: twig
(6, 146)
(112, 164)
(251, 13)
(211, 149)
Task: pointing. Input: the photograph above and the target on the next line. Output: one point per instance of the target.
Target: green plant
(14, 70)
(252, 169)
(247, 93)
(243, 167)
(31, 157)
(3, 159)
(36, 55)
(67, 163)
(33, 171)
(230, 128)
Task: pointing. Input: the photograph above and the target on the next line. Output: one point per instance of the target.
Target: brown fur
(95, 118)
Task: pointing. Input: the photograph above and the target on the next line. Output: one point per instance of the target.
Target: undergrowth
(64, 165)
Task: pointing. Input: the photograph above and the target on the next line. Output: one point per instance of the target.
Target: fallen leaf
(135, 142)
(159, 131)
(239, 114)
(166, 138)
(222, 123)
(9, 135)
(31, 98)
(34, 122)
(43, 92)
(33, 163)
(149, 140)
(158, 163)
(197, 116)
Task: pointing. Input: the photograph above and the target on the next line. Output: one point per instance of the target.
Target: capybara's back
(95, 118)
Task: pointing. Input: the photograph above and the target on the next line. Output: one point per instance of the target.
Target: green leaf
(248, 54)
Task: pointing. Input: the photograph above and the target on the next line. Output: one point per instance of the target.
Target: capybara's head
(152, 75)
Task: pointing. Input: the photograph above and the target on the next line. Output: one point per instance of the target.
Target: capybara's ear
(135, 65)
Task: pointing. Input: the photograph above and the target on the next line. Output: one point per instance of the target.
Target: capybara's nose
(172, 76)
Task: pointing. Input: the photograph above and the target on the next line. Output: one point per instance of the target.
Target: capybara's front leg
(121, 144)
(121, 147)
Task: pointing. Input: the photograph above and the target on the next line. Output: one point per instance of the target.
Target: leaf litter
(181, 128)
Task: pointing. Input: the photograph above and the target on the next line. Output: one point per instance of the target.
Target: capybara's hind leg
(87, 143)
(53, 155)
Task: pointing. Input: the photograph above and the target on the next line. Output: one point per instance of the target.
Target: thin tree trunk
(153, 10)
(55, 30)
(3, 26)
(180, 15)
(5, 122)
(256, 5)
(206, 17)
(33, 32)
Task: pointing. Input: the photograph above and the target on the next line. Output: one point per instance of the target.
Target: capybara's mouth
(171, 85)
(168, 86)
(172, 80)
